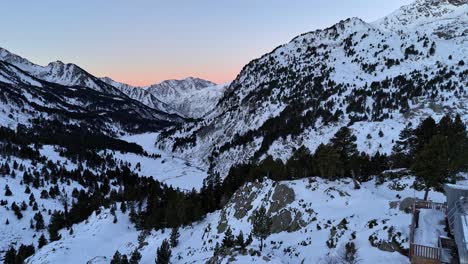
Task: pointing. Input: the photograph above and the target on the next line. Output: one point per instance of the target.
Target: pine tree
(174, 238)
(216, 249)
(344, 142)
(24, 252)
(8, 191)
(424, 133)
(457, 143)
(39, 221)
(124, 259)
(10, 256)
(56, 223)
(16, 210)
(123, 207)
(404, 148)
(228, 240)
(117, 258)
(240, 240)
(431, 164)
(42, 241)
(261, 224)
(249, 240)
(328, 161)
(136, 257)
(163, 253)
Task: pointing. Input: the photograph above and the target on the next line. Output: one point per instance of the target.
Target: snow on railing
(421, 251)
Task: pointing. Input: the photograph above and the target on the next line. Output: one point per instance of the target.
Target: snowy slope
(369, 76)
(24, 97)
(177, 172)
(172, 171)
(320, 211)
(67, 74)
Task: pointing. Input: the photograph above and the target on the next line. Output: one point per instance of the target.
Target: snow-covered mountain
(29, 91)
(368, 76)
(312, 218)
(67, 74)
(189, 97)
(310, 221)
(90, 194)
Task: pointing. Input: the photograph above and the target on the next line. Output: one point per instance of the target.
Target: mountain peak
(56, 63)
(423, 12)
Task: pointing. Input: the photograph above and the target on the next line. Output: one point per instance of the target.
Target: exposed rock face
(387, 246)
(282, 196)
(243, 198)
(281, 221)
(405, 204)
(277, 198)
(222, 224)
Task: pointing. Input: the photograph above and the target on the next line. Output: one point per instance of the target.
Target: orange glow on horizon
(149, 79)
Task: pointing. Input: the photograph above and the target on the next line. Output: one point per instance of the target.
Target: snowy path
(431, 226)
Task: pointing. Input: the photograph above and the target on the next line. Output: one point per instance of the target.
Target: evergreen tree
(344, 142)
(39, 221)
(124, 259)
(117, 258)
(328, 162)
(174, 238)
(123, 207)
(16, 210)
(163, 253)
(261, 224)
(24, 252)
(8, 191)
(431, 164)
(457, 143)
(300, 163)
(57, 221)
(228, 240)
(42, 241)
(424, 133)
(240, 240)
(249, 240)
(10, 256)
(216, 249)
(404, 148)
(136, 257)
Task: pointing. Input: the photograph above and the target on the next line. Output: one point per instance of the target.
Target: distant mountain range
(189, 97)
(66, 91)
(234, 173)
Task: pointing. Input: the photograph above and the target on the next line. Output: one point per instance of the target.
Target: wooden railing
(425, 252)
(420, 253)
(430, 205)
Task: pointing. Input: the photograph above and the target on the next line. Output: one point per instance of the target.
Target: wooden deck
(421, 254)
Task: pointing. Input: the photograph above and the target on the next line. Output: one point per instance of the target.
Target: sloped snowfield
(320, 211)
(171, 170)
(167, 169)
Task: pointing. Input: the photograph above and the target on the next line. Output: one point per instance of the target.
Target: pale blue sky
(146, 41)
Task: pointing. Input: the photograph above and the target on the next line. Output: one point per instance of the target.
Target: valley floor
(312, 218)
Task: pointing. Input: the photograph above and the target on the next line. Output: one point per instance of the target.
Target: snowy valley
(318, 150)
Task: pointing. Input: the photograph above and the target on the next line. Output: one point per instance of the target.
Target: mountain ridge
(190, 97)
(353, 74)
